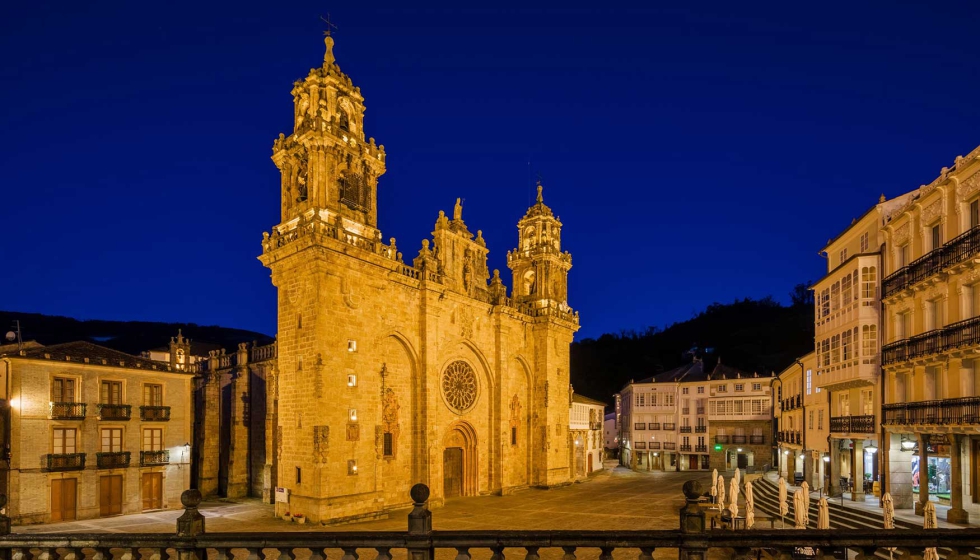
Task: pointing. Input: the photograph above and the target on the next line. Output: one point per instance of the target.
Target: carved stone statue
(458, 209)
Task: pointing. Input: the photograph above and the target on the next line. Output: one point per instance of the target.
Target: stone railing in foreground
(693, 541)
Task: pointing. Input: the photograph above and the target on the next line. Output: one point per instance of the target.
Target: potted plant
(287, 517)
(298, 518)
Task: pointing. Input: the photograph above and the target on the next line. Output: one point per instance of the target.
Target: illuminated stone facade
(389, 373)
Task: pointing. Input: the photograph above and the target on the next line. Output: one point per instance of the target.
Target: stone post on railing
(695, 545)
(420, 525)
(190, 524)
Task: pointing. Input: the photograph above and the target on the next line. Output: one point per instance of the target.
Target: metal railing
(700, 448)
(700, 429)
(757, 439)
(654, 445)
(154, 457)
(670, 445)
(115, 411)
(653, 425)
(953, 252)
(721, 439)
(686, 448)
(692, 540)
(112, 459)
(64, 461)
(962, 333)
(155, 413)
(670, 426)
(965, 410)
(862, 424)
(68, 411)
(686, 429)
(739, 439)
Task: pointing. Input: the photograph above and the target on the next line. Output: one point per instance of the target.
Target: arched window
(344, 120)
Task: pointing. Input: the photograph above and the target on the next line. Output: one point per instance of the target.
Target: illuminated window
(152, 439)
(64, 440)
(152, 395)
(352, 346)
(111, 392)
(809, 380)
(111, 440)
(63, 389)
(351, 380)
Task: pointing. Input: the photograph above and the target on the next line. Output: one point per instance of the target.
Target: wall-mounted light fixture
(351, 380)
(907, 443)
(352, 414)
(352, 467)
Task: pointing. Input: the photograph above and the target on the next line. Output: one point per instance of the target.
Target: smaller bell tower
(539, 266)
(180, 352)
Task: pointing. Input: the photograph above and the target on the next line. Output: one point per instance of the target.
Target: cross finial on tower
(330, 25)
(540, 188)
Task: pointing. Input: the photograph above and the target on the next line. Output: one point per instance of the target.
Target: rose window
(459, 386)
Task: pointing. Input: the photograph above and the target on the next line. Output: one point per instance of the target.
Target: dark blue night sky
(696, 152)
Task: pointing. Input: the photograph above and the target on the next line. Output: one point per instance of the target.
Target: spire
(328, 58)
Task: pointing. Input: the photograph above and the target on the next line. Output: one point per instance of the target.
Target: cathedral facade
(392, 373)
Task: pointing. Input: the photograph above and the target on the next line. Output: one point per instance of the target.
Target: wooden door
(590, 462)
(110, 495)
(452, 472)
(63, 499)
(743, 461)
(152, 490)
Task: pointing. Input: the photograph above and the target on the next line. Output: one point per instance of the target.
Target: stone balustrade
(693, 541)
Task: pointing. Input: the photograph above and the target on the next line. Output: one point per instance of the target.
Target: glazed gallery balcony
(864, 424)
(945, 412)
(956, 251)
(956, 335)
(418, 541)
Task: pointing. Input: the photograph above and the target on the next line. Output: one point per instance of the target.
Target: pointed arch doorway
(459, 466)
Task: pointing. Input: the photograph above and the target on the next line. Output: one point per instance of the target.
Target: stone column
(835, 489)
(899, 472)
(956, 513)
(923, 474)
(857, 470)
(210, 439)
(238, 451)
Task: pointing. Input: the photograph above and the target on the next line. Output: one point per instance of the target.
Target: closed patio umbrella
(806, 494)
(783, 506)
(799, 511)
(721, 493)
(714, 484)
(823, 514)
(929, 522)
(738, 476)
(888, 512)
(749, 505)
(733, 507)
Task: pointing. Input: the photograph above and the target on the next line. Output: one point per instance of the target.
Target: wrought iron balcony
(721, 439)
(155, 413)
(639, 426)
(700, 410)
(112, 459)
(700, 448)
(700, 429)
(653, 425)
(670, 426)
(739, 439)
(686, 448)
(65, 461)
(686, 429)
(965, 410)
(654, 445)
(68, 411)
(154, 457)
(115, 411)
(956, 335)
(955, 251)
(757, 439)
(670, 445)
(863, 424)
(685, 410)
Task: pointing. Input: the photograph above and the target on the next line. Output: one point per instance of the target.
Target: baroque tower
(389, 373)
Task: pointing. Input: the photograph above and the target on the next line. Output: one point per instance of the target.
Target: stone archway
(460, 461)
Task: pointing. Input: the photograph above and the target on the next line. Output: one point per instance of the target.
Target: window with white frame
(864, 242)
(843, 255)
(869, 280)
(835, 297)
(845, 289)
(825, 303)
(809, 380)
(700, 390)
(757, 386)
(723, 388)
(868, 401)
(111, 440)
(64, 440)
(684, 391)
(869, 340)
(936, 236)
(739, 387)
(820, 419)
(845, 344)
(835, 349)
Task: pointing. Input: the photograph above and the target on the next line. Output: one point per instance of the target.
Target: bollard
(191, 522)
(694, 545)
(420, 525)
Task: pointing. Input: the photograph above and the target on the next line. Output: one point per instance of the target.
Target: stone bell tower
(540, 272)
(540, 267)
(326, 163)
